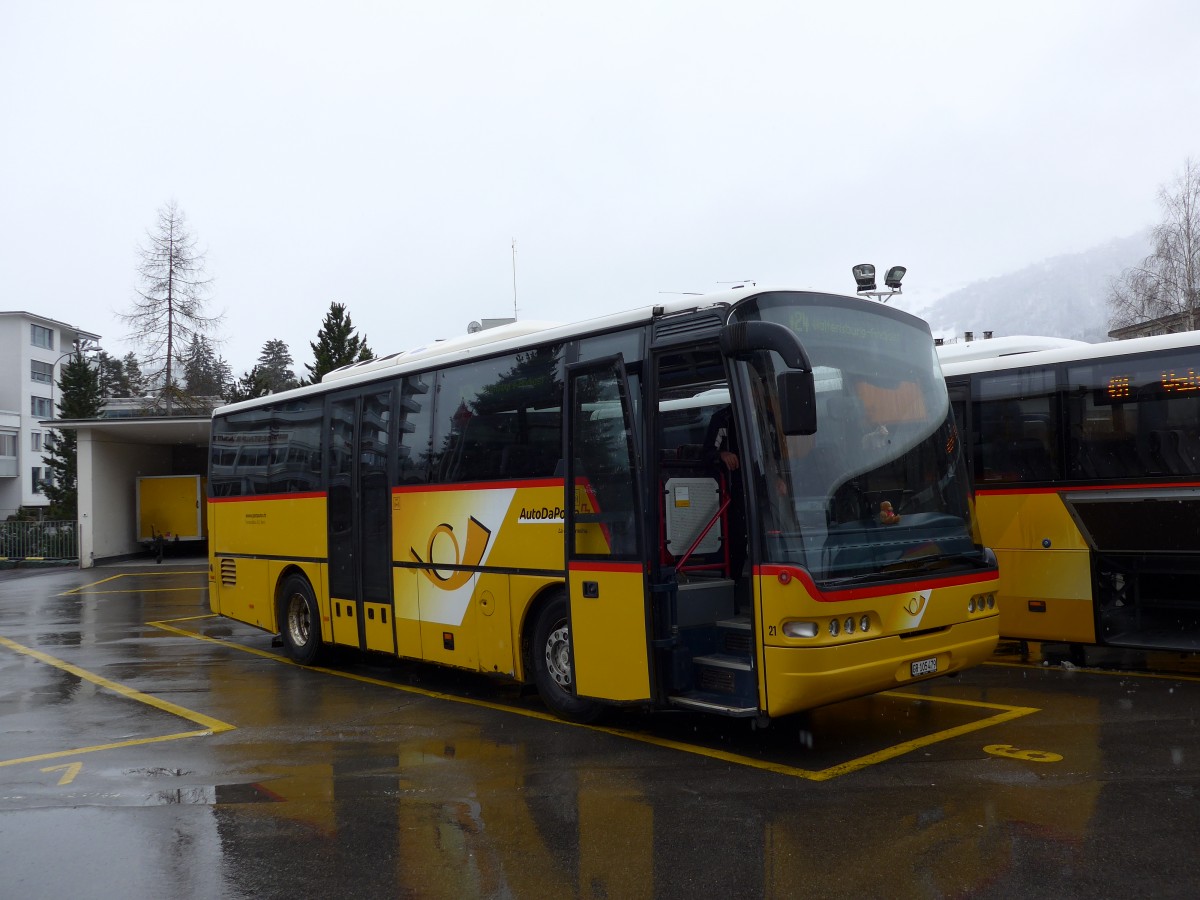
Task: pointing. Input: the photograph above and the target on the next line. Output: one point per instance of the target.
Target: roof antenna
(514, 255)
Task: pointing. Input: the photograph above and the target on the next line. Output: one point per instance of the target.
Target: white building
(31, 350)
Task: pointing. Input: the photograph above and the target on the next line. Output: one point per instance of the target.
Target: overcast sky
(385, 155)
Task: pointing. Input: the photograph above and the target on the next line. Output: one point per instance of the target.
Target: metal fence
(39, 540)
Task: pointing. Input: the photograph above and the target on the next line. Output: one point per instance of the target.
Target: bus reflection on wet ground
(146, 743)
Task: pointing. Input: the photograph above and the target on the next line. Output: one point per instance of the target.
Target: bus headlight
(971, 605)
(864, 624)
(800, 629)
(834, 627)
(849, 626)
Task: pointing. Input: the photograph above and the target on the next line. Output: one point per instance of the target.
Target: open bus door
(605, 547)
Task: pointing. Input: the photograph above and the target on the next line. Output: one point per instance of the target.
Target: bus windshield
(879, 492)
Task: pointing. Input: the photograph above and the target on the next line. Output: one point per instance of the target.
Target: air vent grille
(718, 681)
(737, 644)
(689, 326)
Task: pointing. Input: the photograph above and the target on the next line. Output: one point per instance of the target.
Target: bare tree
(168, 313)
(1167, 283)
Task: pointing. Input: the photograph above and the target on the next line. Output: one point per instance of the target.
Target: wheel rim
(298, 624)
(558, 656)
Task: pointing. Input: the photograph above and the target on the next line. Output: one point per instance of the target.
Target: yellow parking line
(84, 587)
(59, 754)
(1088, 670)
(148, 591)
(209, 724)
(1004, 714)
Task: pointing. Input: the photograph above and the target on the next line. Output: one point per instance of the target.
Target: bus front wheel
(553, 667)
(299, 620)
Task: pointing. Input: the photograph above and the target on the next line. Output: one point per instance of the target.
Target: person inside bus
(720, 451)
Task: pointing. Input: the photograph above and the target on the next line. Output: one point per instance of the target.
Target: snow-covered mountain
(1065, 296)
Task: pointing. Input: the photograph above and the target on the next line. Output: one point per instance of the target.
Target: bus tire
(553, 667)
(299, 620)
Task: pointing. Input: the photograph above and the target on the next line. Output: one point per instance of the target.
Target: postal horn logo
(454, 576)
(916, 604)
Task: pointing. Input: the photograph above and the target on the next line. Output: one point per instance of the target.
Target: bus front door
(359, 513)
(605, 549)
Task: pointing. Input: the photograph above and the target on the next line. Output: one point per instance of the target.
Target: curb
(35, 562)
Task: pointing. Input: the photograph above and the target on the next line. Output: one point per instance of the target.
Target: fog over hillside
(1064, 296)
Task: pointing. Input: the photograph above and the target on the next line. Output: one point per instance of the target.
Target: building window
(37, 479)
(41, 407)
(41, 372)
(41, 337)
(35, 441)
(8, 445)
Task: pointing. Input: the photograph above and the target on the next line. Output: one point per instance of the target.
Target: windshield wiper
(851, 579)
(973, 556)
(904, 567)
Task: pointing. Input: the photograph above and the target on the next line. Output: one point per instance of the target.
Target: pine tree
(252, 384)
(111, 375)
(80, 397)
(275, 367)
(133, 375)
(205, 375)
(273, 373)
(337, 345)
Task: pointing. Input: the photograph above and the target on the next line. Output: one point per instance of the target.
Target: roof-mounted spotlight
(864, 278)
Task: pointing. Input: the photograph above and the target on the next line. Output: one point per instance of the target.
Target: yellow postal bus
(1087, 472)
(547, 503)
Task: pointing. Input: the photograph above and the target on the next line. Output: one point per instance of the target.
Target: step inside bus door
(605, 549)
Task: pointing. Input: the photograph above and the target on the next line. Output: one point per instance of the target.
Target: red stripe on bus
(478, 486)
(307, 495)
(1061, 488)
(865, 593)
(581, 565)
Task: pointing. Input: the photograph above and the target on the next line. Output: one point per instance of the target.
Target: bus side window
(416, 428)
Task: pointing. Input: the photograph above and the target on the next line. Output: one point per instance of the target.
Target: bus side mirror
(797, 402)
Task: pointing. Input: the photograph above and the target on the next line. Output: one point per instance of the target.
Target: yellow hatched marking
(209, 724)
(1003, 714)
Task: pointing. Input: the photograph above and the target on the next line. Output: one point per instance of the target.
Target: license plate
(924, 667)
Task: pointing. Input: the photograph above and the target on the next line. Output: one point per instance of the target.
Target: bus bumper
(799, 678)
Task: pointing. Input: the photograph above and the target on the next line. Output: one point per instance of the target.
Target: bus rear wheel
(553, 667)
(299, 620)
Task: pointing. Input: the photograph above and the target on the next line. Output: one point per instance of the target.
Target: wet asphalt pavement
(148, 749)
